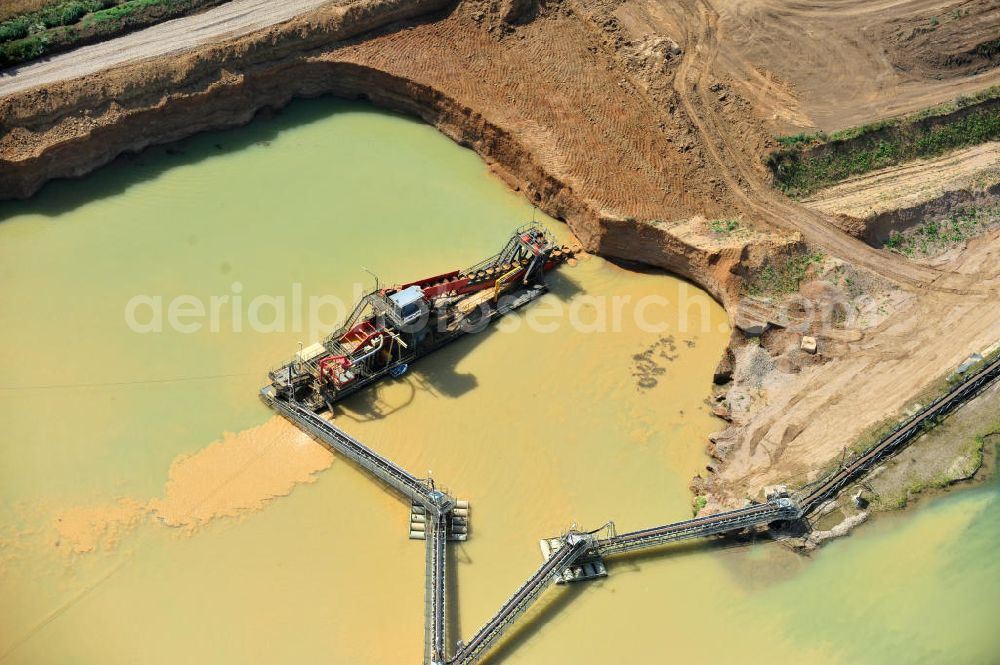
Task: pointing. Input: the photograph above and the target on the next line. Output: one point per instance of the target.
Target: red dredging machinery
(391, 327)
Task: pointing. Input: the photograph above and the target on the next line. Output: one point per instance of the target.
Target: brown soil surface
(237, 17)
(951, 39)
(11, 8)
(637, 123)
(791, 420)
(843, 63)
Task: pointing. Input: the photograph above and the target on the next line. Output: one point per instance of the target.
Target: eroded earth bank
(645, 127)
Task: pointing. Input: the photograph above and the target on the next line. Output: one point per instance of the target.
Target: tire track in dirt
(732, 164)
(852, 61)
(567, 100)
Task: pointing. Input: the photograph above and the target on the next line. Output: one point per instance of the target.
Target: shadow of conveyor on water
(63, 195)
(632, 561)
(436, 373)
(533, 621)
(536, 619)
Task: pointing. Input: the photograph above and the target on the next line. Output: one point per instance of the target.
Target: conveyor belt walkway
(435, 591)
(700, 527)
(574, 546)
(813, 496)
(417, 490)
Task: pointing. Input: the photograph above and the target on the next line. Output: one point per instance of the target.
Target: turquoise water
(915, 588)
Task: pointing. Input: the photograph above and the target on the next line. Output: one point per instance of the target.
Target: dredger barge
(392, 327)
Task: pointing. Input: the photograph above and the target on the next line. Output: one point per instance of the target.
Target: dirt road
(741, 169)
(232, 19)
(849, 61)
(810, 417)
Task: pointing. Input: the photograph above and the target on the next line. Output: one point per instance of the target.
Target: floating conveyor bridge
(336, 439)
(435, 590)
(574, 546)
(776, 510)
(564, 554)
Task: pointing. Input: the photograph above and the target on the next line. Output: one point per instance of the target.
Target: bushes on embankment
(808, 162)
(64, 24)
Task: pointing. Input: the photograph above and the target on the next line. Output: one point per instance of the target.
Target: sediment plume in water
(83, 529)
(239, 474)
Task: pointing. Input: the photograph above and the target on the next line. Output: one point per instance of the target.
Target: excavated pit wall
(69, 129)
(74, 127)
(877, 229)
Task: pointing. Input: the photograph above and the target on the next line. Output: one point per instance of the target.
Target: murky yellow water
(261, 548)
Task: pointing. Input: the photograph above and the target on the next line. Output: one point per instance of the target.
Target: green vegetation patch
(127, 9)
(783, 276)
(56, 14)
(937, 235)
(971, 455)
(988, 49)
(65, 24)
(808, 162)
(802, 139)
(725, 226)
